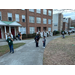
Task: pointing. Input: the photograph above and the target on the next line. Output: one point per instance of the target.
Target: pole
(26, 23)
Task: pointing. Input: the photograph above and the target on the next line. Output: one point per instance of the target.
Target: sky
(66, 13)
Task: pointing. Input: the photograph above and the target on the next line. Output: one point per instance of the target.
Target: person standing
(19, 35)
(37, 40)
(10, 43)
(69, 32)
(44, 42)
(63, 34)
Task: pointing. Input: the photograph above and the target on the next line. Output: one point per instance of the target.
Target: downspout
(26, 23)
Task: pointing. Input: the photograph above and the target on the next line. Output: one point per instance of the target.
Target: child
(10, 43)
(44, 42)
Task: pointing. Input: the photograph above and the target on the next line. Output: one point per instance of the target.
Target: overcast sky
(66, 14)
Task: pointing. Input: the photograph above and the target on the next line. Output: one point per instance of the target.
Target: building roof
(8, 23)
(2, 23)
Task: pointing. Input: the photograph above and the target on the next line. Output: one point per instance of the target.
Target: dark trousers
(63, 36)
(19, 37)
(11, 48)
(36, 44)
(43, 44)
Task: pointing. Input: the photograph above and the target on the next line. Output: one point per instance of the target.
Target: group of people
(63, 34)
(37, 38)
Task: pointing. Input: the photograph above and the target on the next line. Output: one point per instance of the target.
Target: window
(49, 12)
(49, 29)
(32, 30)
(17, 17)
(49, 21)
(55, 29)
(23, 30)
(0, 16)
(31, 10)
(38, 20)
(9, 16)
(31, 19)
(44, 21)
(55, 24)
(44, 11)
(23, 18)
(38, 11)
(22, 9)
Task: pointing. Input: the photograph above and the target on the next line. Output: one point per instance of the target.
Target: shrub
(24, 36)
(55, 32)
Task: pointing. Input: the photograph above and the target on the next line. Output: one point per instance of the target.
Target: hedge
(55, 32)
(24, 36)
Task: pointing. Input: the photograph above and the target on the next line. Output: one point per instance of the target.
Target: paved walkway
(27, 54)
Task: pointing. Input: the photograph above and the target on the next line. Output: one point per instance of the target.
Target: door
(0, 33)
(13, 31)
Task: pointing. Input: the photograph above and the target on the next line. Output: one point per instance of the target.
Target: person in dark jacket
(37, 40)
(10, 43)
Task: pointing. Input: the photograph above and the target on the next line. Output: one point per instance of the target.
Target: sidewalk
(18, 41)
(27, 54)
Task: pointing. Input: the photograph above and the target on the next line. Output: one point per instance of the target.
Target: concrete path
(27, 54)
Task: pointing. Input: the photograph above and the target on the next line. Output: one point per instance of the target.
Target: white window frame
(17, 17)
(1, 15)
(44, 11)
(49, 28)
(31, 10)
(22, 9)
(49, 12)
(49, 20)
(32, 30)
(23, 17)
(10, 16)
(44, 21)
(38, 20)
(38, 11)
(31, 19)
(23, 30)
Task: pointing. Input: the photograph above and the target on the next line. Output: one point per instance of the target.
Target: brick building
(26, 21)
(66, 24)
(73, 23)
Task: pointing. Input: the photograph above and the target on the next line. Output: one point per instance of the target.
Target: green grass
(4, 49)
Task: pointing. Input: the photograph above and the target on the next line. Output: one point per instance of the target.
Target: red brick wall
(41, 16)
(23, 12)
(13, 11)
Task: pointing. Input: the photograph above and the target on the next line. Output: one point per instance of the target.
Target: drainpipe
(26, 23)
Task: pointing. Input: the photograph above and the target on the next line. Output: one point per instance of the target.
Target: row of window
(39, 11)
(16, 17)
(31, 19)
(38, 20)
(31, 29)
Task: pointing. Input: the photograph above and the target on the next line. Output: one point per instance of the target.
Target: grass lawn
(4, 49)
(60, 51)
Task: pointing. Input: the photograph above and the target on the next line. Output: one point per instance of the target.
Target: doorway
(38, 29)
(13, 31)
